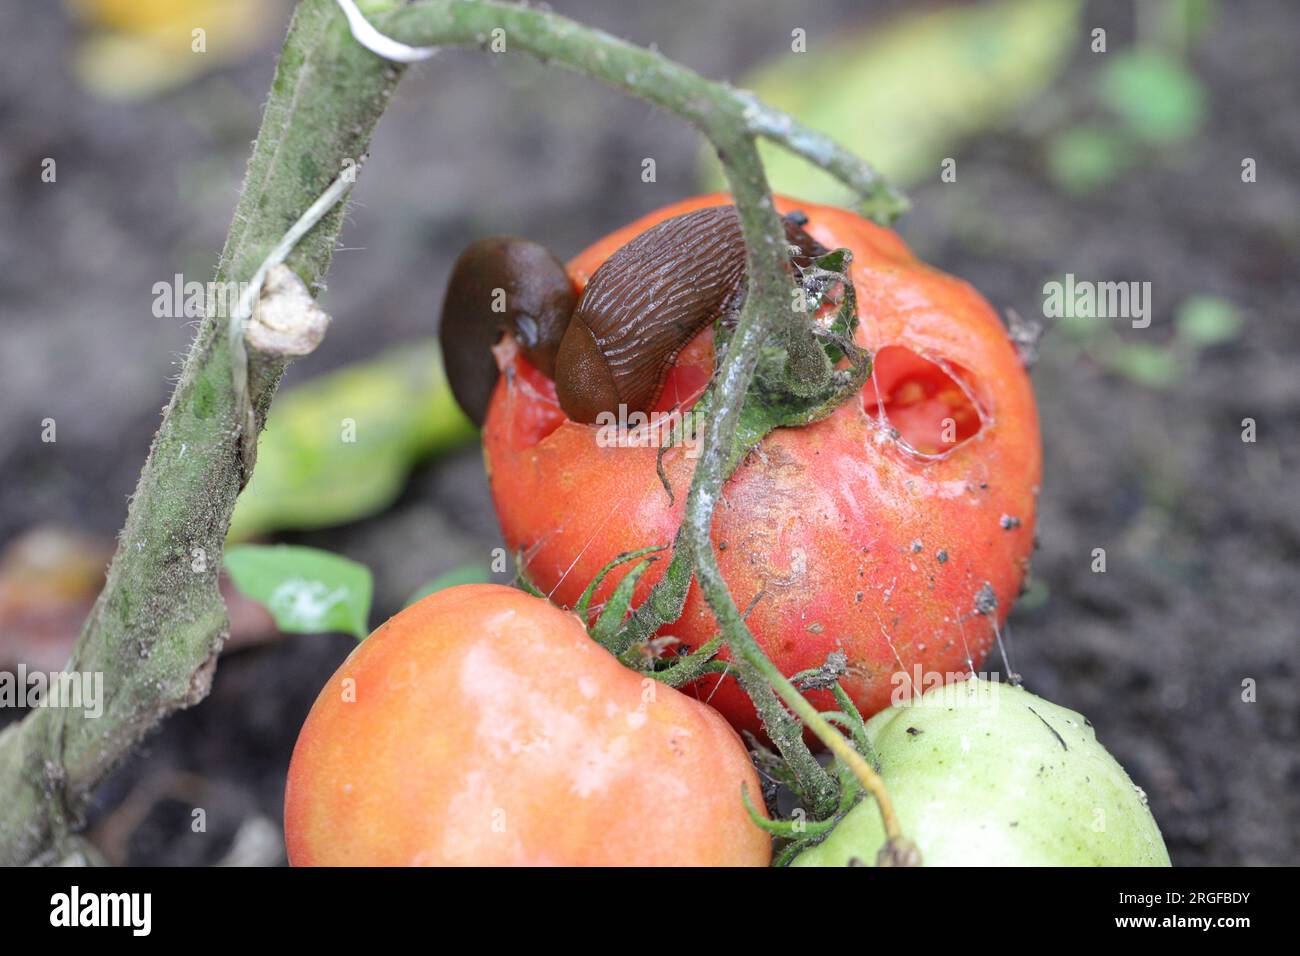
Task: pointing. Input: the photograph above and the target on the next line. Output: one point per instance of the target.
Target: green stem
(159, 623)
(767, 294)
(721, 113)
(712, 107)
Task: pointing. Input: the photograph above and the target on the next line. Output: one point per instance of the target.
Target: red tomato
(483, 727)
(874, 531)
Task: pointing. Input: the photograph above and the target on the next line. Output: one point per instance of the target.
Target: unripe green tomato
(986, 774)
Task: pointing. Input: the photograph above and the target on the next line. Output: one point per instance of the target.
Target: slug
(501, 284)
(637, 312)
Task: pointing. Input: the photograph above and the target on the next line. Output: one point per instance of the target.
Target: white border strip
(377, 43)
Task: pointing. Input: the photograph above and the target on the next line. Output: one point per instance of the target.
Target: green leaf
(684, 669)
(589, 591)
(307, 591)
(1147, 365)
(1084, 158)
(1157, 97)
(905, 93)
(1205, 320)
(340, 446)
(465, 574)
(606, 628)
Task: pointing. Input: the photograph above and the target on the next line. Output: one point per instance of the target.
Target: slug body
(637, 312)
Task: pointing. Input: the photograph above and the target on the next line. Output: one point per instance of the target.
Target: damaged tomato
(897, 530)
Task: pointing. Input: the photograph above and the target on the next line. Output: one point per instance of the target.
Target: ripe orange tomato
(482, 726)
(897, 530)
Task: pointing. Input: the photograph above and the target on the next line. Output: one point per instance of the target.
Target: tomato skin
(856, 542)
(987, 774)
(486, 729)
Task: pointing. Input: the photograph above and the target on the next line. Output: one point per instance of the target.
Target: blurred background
(1127, 164)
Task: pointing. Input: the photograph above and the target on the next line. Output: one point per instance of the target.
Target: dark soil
(1202, 531)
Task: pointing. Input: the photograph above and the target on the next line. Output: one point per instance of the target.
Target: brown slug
(637, 312)
(501, 284)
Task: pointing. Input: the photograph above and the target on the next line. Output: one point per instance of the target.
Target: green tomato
(986, 774)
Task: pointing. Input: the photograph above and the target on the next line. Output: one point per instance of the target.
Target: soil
(1183, 653)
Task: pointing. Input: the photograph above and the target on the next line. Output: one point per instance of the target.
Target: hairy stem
(159, 623)
(720, 112)
(767, 296)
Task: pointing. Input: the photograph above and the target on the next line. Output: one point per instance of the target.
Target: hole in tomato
(925, 403)
(532, 410)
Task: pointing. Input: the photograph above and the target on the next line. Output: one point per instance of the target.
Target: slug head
(584, 385)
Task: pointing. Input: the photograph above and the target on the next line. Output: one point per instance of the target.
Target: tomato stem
(743, 644)
(686, 669)
(768, 293)
(718, 110)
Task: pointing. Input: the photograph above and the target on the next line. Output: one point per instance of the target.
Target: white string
(306, 222)
(252, 292)
(376, 42)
